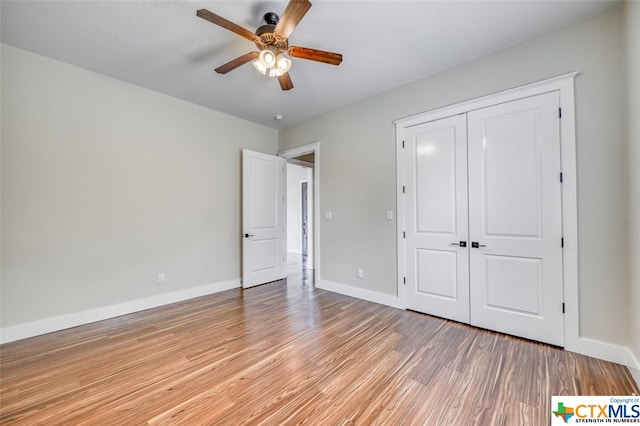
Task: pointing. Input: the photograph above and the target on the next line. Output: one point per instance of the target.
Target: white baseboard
(634, 367)
(635, 373)
(608, 352)
(360, 293)
(36, 328)
(584, 346)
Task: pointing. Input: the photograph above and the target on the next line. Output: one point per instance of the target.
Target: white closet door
(436, 219)
(515, 218)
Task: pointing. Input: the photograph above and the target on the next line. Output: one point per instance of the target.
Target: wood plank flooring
(287, 353)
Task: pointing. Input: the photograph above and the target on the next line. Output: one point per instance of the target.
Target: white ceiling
(163, 46)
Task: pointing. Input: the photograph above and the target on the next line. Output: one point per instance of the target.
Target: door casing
(296, 152)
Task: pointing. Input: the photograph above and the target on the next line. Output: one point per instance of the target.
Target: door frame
(564, 84)
(296, 152)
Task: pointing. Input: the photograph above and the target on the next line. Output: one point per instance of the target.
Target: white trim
(299, 150)
(400, 218)
(360, 293)
(300, 163)
(635, 373)
(606, 351)
(563, 84)
(49, 325)
(568, 158)
(296, 152)
(634, 368)
(536, 88)
(609, 352)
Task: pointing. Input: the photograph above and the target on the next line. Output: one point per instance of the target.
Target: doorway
(302, 210)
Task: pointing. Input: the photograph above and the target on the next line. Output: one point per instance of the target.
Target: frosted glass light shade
(267, 58)
(283, 64)
(271, 64)
(259, 67)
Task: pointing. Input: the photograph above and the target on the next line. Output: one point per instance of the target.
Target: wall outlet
(359, 273)
(160, 278)
(328, 216)
(389, 214)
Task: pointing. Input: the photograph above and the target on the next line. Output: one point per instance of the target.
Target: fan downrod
(271, 20)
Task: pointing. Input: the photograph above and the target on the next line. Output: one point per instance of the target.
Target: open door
(264, 220)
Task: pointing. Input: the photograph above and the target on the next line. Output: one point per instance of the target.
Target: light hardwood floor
(286, 353)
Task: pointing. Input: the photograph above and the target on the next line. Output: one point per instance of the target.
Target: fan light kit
(272, 42)
(271, 63)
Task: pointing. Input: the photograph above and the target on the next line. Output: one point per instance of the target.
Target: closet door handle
(248, 235)
(461, 244)
(475, 244)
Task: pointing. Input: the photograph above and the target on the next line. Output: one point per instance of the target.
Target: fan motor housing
(267, 35)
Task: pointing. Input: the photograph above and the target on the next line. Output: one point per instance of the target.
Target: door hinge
(561, 177)
(404, 234)
(563, 307)
(403, 144)
(404, 280)
(403, 189)
(559, 112)
(562, 242)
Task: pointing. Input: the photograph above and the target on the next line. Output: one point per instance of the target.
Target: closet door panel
(437, 264)
(515, 218)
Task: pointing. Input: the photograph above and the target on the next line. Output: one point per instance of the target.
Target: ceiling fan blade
(232, 65)
(285, 81)
(315, 55)
(292, 15)
(219, 20)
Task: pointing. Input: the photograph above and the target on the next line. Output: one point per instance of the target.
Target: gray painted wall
(632, 14)
(106, 184)
(357, 181)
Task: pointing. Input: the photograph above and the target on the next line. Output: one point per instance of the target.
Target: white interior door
(515, 218)
(264, 206)
(437, 260)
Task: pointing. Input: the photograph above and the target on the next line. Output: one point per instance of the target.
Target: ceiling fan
(271, 39)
